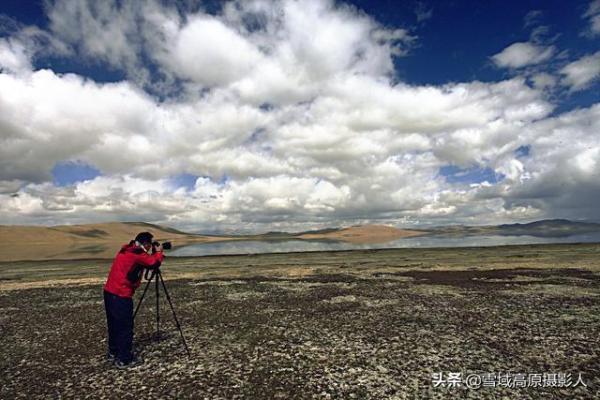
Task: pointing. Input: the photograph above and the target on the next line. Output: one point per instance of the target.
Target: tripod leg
(157, 308)
(174, 315)
(141, 298)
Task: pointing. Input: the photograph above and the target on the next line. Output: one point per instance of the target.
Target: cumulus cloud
(340, 156)
(287, 115)
(561, 174)
(22, 43)
(14, 56)
(248, 41)
(580, 74)
(49, 118)
(522, 54)
(208, 52)
(107, 31)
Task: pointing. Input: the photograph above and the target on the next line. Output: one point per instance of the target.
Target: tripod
(155, 275)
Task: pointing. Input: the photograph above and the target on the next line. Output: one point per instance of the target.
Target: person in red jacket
(123, 279)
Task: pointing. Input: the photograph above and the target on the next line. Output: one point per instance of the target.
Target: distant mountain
(550, 228)
(544, 228)
(104, 239)
(353, 234)
(361, 234)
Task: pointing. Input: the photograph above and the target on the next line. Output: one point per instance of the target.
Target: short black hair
(144, 237)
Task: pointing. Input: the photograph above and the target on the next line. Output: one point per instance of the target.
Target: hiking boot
(134, 363)
(111, 357)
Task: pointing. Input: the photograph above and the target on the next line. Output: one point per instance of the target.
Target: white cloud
(14, 56)
(512, 169)
(521, 54)
(10, 187)
(364, 147)
(18, 50)
(50, 118)
(208, 52)
(561, 173)
(103, 30)
(300, 42)
(580, 74)
(543, 80)
(593, 15)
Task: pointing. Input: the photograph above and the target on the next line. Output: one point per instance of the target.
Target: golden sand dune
(365, 234)
(111, 231)
(81, 241)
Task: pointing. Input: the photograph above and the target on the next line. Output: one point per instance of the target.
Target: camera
(165, 245)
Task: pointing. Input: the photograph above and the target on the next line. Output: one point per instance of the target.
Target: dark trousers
(119, 318)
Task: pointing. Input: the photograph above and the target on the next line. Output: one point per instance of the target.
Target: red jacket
(127, 260)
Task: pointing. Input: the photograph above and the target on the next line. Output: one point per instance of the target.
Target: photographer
(124, 277)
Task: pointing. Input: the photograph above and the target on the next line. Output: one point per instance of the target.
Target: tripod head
(150, 272)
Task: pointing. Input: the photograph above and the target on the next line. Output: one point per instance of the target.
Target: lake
(285, 246)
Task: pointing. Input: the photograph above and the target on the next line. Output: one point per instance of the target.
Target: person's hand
(158, 248)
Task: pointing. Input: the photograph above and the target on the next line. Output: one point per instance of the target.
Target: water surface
(284, 246)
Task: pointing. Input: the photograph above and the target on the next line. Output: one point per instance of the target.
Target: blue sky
(170, 97)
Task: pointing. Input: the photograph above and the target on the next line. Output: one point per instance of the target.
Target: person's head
(144, 240)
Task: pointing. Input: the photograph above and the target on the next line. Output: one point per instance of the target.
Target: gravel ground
(322, 336)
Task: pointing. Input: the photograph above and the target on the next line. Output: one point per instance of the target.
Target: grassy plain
(351, 324)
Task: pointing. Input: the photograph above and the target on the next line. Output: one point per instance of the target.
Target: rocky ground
(378, 334)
